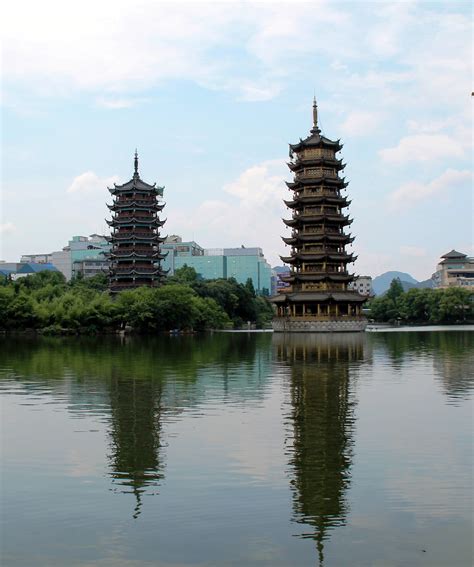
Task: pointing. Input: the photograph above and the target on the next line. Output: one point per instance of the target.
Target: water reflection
(135, 385)
(135, 430)
(451, 353)
(321, 420)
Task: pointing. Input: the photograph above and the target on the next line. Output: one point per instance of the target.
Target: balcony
(315, 172)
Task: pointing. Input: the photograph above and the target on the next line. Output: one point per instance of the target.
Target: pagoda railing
(321, 270)
(318, 191)
(125, 200)
(324, 230)
(316, 252)
(316, 211)
(118, 286)
(128, 234)
(128, 251)
(131, 268)
(297, 233)
(314, 172)
(331, 317)
(137, 215)
(315, 153)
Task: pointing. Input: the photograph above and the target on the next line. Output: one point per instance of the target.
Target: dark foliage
(437, 306)
(46, 302)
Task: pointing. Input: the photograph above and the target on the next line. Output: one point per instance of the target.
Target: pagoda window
(315, 153)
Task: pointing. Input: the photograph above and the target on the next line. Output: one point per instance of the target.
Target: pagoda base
(319, 324)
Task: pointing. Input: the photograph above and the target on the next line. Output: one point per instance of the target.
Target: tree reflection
(452, 353)
(135, 384)
(321, 421)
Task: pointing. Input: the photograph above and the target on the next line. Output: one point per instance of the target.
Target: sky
(211, 94)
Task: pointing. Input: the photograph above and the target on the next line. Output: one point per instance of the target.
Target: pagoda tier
(305, 218)
(318, 296)
(135, 221)
(303, 181)
(315, 200)
(136, 205)
(307, 256)
(135, 257)
(298, 239)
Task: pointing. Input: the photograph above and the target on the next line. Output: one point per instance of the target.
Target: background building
(84, 255)
(455, 270)
(174, 247)
(362, 284)
(32, 268)
(215, 263)
(36, 258)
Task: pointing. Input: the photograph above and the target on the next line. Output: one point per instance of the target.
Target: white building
(362, 284)
(455, 270)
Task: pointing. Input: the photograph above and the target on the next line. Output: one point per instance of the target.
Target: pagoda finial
(315, 117)
(136, 162)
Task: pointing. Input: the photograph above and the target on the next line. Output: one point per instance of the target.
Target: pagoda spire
(315, 128)
(136, 163)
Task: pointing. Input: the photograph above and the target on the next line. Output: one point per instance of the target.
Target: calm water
(238, 450)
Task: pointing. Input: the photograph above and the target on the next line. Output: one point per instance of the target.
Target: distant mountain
(425, 284)
(381, 283)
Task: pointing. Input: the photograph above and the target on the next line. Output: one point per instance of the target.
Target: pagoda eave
(311, 296)
(317, 277)
(315, 141)
(315, 162)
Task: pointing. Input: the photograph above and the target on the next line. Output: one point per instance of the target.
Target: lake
(245, 449)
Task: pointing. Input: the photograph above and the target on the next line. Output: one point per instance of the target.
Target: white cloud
(7, 228)
(256, 92)
(412, 192)
(89, 182)
(250, 212)
(423, 147)
(361, 123)
(119, 103)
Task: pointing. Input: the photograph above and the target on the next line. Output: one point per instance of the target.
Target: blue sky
(211, 94)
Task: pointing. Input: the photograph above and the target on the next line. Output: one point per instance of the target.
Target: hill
(381, 283)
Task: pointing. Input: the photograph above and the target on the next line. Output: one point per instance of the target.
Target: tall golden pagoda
(318, 298)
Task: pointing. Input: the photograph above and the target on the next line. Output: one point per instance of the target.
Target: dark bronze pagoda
(135, 256)
(318, 297)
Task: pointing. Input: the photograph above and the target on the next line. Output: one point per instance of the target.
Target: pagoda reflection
(320, 426)
(135, 431)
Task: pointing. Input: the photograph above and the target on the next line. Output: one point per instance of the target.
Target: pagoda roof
(136, 272)
(136, 183)
(300, 297)
(302, 182)
(310, 257)
(318, 238)
(315, 140)
(136, 221)
(454, 254)
(134, 205)
(315, 161)
(135, 237)
(302, 219)
(308, 199)
(321, 276)
(154, 255)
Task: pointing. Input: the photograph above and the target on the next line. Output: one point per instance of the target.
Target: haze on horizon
(211, 94)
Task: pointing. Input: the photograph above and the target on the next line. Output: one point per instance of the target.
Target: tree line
(46, 302)
(437, 306)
